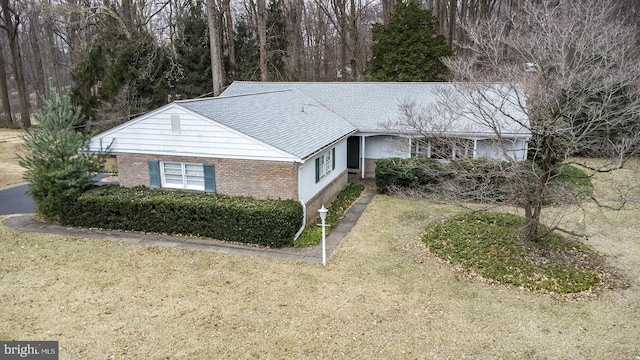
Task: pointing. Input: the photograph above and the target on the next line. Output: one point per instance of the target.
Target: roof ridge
(232, 96)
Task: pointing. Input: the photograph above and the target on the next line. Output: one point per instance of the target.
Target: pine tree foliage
(192, 54)
(139, 65)
(122, 71)
(247, 49)
(409, 48)
(246, 45)
(277, 40)
(56, 168)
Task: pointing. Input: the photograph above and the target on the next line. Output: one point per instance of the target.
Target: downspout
(304, 206)
(304, 220)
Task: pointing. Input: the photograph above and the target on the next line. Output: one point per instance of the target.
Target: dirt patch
(10, 146)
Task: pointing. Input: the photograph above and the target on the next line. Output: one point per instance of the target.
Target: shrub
(416, 173)
(239, 219)
(480, 180)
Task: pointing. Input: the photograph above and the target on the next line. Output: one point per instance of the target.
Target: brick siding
(326, 196)
(234, 177)
(370, 168)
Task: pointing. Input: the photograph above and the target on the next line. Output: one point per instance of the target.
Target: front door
(353, 152)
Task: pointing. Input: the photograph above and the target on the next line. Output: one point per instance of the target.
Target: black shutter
(209, 178)
(154, 174)
(317, 170)
(333, 159)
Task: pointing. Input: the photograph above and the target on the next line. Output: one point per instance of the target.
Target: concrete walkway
(310, 254)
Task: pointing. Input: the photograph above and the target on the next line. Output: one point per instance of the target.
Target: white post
(323, 215)
(362, 155)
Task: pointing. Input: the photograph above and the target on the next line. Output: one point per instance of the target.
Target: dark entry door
(353, 152)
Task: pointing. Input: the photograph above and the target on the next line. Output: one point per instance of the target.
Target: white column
(362, 154)
(475, 148)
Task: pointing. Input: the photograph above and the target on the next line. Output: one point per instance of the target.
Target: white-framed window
(443, 148)
(182, 175)
(325, 163)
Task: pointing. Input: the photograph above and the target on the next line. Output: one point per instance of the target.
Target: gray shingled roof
(368, 105)
(288, 120)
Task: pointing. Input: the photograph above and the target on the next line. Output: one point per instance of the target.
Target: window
(325, 163)
(178, 175)
(442, 148)
(182, 175)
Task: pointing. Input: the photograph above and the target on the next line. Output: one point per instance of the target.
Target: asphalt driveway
(15, 200)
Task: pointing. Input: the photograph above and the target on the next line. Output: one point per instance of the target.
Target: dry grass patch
(381, 296)
(10, 146)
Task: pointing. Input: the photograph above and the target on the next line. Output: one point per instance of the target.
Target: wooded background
(120, 58)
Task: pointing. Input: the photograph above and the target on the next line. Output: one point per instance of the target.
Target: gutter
(322, 149)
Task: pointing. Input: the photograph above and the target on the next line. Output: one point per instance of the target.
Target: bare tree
(39, 82)
(575, 64)
(5, 115)
(10, 26)
(262, 39)
(214, 43)
(228, 20)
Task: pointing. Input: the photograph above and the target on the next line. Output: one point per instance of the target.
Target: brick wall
(370, 168)
(234, 177)
(326, 196)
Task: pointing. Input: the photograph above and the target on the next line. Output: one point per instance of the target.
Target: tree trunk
(533, 210)
(453, 7)
(52, 62)
(72, 29)
(5, 112)
(355, 42)
(230, 40)
(12, 35)
(214, 45)
(339, 7)
(40, 85)
(297, 52)
(387, 10)
(262, 38)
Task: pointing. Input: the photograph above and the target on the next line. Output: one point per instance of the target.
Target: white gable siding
(159, 133)
(308, 188)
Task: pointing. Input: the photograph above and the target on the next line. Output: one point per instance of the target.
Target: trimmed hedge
(240, 219)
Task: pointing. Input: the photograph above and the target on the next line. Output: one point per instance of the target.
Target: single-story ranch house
(287, 140)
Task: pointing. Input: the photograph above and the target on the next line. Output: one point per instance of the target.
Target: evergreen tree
(192, 54)
(277, 40)
(138, 68)
(56, 168)
(247, 52)
(409, 48)
(122, 69)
